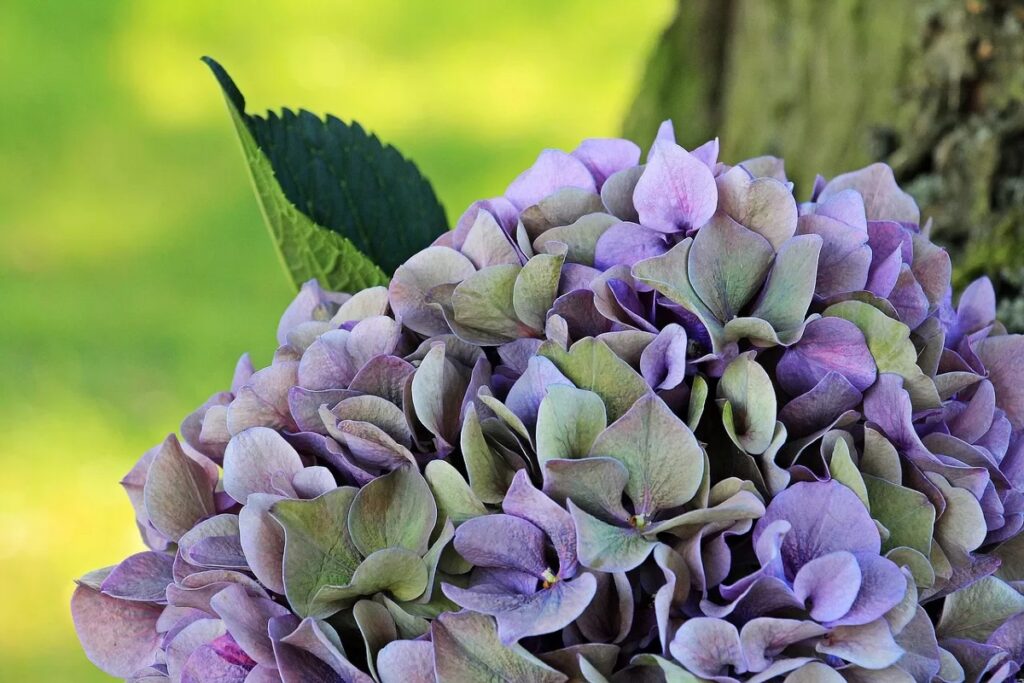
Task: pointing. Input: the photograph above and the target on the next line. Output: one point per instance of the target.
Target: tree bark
(935, 88)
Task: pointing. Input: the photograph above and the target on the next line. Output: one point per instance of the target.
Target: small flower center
(638, 522)
(549, 578)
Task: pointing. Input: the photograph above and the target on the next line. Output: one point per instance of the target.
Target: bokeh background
(134, 265)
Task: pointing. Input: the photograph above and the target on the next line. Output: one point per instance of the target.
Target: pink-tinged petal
(207, 664)
(883, 198)
(605, 156)
(262, 540)
(676, 192)
(909, 299)
(263, 401)
(246, 619)
(406, 661)
(666, 133)
(765, 638)
(626, 243)
(311, 303)
(827, 345)
(708, 647)
(500, 208)
(118, 636)
(828, 585)
(870, 646)
(413, 281)
(552, 171)
(178, 491)
(1003, 358)
(259, 460)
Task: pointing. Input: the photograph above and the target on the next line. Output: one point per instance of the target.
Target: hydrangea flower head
(637, 418)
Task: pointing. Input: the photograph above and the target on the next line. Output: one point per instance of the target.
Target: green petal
(318, 550)
(393, 511)
(605, 547)
(591, 365)
(467, 648)
(890, 345)
(568, 421)
(455, 499)
(749, 407)
(664, 460)
(535, 289)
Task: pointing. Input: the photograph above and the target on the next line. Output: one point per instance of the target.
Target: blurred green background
(134, 267)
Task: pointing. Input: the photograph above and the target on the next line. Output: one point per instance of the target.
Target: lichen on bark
(935, 88)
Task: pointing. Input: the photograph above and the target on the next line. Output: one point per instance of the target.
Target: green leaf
(890, 345)
(467, 648)
(568, 421)
(976, 611)
(340, 205)
(318, 551)
(592, 365)
(396, 510)
(907, 514)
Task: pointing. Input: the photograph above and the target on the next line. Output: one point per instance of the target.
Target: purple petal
(519, 616)
(828, 585)
(825, 517)
(605, 156)
(530, 389)
(262, 540)
(676, 192)
(259, 460)
(663, 361)
(552, 171)
(503, 542)
(821, 406)
(143, 577)
(626, 243)
(406, 661)
(883, 198)
(524, 501)
(708, 647)
(765, 638)
(1003, 357)
(828, 345)
(246, 619)
(880, 590)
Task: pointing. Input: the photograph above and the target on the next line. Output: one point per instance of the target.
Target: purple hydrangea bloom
(641, 417)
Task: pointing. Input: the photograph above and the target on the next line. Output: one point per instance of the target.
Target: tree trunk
(936, 88)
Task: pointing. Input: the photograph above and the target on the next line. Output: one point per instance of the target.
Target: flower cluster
(629, 421)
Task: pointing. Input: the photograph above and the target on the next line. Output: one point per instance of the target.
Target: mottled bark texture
(934, 87)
